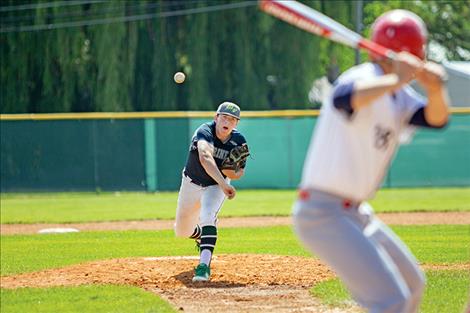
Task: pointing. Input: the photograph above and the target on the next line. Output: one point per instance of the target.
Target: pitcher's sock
(208, 240)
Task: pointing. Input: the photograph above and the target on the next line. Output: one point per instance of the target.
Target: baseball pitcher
(352, 147)
(217, 154)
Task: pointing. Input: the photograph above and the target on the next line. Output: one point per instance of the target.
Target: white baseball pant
(197, 205)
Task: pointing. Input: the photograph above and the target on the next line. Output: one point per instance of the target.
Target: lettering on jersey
(382, 137)
(220, 153)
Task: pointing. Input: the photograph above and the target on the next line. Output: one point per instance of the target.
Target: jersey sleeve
(204, 133)
(411, 102)
(241, 139)
(342, 96)
(343, 87)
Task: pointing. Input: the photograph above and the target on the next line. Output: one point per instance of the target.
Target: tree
(448, 22)
(240, 55)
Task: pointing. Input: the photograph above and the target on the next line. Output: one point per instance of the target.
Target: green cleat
(201, 273)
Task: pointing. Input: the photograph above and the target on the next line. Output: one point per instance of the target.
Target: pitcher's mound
(239, 282)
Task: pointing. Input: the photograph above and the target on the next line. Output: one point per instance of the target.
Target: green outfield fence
(147, 151)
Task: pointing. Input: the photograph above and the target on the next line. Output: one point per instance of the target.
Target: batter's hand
(431, 76)
(229, 191)
(406, 65)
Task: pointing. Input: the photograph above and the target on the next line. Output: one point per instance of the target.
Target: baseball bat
(306, 18)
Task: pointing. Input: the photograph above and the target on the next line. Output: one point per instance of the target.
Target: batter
(357, 135)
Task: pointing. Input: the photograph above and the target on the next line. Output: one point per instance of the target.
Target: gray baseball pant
(373, 263)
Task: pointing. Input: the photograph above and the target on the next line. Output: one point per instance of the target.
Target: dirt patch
(177, 271)
(415, 218)
(239, 283)
(447, 267)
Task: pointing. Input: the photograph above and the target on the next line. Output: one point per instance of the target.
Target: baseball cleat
(201, 273)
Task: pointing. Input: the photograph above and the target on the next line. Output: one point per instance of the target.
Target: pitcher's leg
(211, 203)
(364, 267)
(187, 212)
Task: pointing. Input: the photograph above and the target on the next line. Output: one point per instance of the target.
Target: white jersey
(350, 155)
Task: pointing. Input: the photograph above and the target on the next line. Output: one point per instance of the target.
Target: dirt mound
(176, 272)
(239, 283)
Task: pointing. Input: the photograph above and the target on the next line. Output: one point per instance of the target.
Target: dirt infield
(418, 218)
(239, 282)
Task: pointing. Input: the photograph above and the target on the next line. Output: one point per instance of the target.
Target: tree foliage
(447, 21)
(239, 54)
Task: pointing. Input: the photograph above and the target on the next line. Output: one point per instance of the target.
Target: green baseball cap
(229, 108)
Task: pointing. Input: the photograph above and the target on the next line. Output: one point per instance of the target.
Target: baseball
(179, 77)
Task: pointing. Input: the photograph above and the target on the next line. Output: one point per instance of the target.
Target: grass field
(26, 253)
(87, 298)
(92, 207)
(447, 290)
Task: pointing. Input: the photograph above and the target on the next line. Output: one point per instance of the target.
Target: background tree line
(121, 55)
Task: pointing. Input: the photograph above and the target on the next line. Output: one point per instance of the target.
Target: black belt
(194, 181)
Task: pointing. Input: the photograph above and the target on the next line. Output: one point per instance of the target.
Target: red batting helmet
(401, 30)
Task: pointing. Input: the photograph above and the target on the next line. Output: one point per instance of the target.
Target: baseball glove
(236, 158)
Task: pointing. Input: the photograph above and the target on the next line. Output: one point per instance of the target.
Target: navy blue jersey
(206, 132)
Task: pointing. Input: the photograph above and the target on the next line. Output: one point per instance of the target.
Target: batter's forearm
(437, 109)
(366, 91)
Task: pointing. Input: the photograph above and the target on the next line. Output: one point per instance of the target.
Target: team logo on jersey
(220, 153)
(382, 137)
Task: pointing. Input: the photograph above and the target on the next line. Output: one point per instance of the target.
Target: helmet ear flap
(400, 30)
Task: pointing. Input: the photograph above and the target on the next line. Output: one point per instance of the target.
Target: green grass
(91, 207)
(86, 207)
(80, 299)
(437, 243)
(422, 199)
(332, 292)
(26, 253)
(441, 244)
(446, 291)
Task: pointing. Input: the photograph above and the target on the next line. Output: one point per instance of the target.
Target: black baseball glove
(236, 158)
